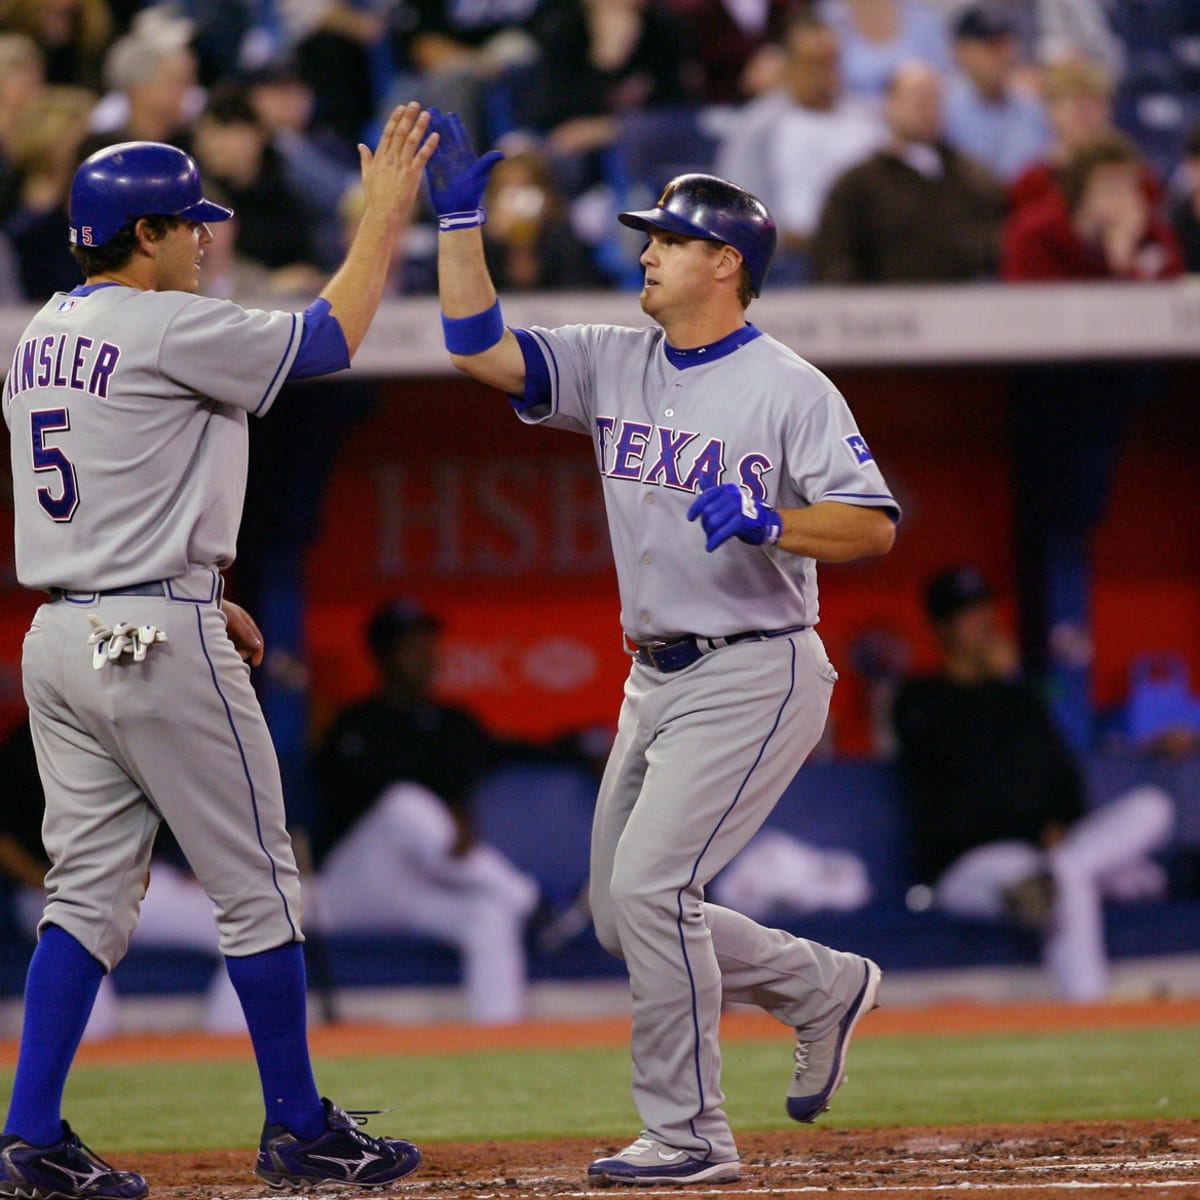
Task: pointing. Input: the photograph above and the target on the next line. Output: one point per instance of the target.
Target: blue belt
(155, 588)
(681, 652)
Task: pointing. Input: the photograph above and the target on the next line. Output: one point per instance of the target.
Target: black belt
(156, 587)
(681, 652)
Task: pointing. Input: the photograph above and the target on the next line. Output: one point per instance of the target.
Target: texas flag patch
(859, 448)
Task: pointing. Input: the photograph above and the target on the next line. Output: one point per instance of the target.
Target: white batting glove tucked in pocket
(109, 644)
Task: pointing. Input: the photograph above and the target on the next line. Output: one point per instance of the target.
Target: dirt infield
(1044, 1161)
(1010, 1162)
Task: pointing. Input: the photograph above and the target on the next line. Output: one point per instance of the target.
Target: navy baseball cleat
(342, 1155)
(821, 1063)
(648, 1161)
(64, 1170)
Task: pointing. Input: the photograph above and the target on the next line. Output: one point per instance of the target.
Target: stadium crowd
(895, 141)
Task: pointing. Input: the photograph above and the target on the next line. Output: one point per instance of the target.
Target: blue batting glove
(727, 510)
(456, 177)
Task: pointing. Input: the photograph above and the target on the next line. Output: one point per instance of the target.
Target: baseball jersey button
(670, 412)
(651, 499)
(647, 558)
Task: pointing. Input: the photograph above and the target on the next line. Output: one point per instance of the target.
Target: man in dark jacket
(997, 800)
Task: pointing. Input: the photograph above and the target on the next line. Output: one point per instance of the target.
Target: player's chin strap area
(108, 645)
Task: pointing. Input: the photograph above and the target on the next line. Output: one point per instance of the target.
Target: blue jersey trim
(537, 400)
(246, 773)
(323, 348)
(86, 289)
(271, 386)
(697, 356)
(892, 506)
(679, 923)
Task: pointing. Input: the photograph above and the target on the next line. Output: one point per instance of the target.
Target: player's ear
(728, 263)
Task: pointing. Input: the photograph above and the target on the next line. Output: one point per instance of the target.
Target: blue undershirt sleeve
(538, 397)
(323, 346)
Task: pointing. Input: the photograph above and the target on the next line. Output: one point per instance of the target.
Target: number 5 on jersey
(51, 458)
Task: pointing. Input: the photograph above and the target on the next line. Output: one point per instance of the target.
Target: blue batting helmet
(704, 206)
(120, 183)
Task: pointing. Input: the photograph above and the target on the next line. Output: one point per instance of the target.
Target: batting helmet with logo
(120, 183)
(704, 206)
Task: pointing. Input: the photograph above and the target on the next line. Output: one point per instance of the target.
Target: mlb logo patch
(66, 305)
(859, 448)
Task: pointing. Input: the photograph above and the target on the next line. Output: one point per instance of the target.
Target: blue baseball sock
(60, 990)
(272, 989)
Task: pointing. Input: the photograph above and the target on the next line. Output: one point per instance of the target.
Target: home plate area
(1092, 1159)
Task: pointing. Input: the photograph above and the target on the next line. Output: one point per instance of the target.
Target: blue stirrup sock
(60, 990)
(273, 992)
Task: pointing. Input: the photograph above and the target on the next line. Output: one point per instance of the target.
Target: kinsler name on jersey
(63, 360)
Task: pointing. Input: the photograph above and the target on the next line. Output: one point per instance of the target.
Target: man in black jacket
(997, 802)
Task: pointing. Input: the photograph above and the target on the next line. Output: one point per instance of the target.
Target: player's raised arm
(390, 176)
(476, 337)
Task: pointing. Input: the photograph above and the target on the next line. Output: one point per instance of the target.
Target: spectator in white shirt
(793, 142)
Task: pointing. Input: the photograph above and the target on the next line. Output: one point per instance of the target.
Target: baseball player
(127, 400)
(701, 419)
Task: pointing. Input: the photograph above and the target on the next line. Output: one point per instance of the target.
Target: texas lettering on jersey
(63, 360)
(673, 458)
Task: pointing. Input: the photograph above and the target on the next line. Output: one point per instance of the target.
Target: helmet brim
(659, 218)
(206, 211)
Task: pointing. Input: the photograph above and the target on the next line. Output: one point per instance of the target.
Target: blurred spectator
(1079, 104)
(21, 82)
(791, 144)
(988, 116)
(601, 58)
(469, 59)
(1049, 31)
(315, 164)
(72, 34)
(917, 210)
(736, 48)
(878, 36)
(176, 913)
(392, 840)
(336, 45)
(996, 799)
(1185, 210)
(151, 76)
(274, 234)
(1097, 225)
(528, 238)
(47, 151)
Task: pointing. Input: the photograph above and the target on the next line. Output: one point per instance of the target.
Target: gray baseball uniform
(702, 754)
(110, 384)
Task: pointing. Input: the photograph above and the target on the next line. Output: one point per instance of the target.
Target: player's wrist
(772, 524)
(450, 222)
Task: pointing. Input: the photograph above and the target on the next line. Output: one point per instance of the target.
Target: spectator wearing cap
(988, 116)
(392, 840)
(996, 799)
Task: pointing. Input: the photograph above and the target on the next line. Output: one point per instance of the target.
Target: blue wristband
(473, 335)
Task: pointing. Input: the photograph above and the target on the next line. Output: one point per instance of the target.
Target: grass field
(1096, 1074)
